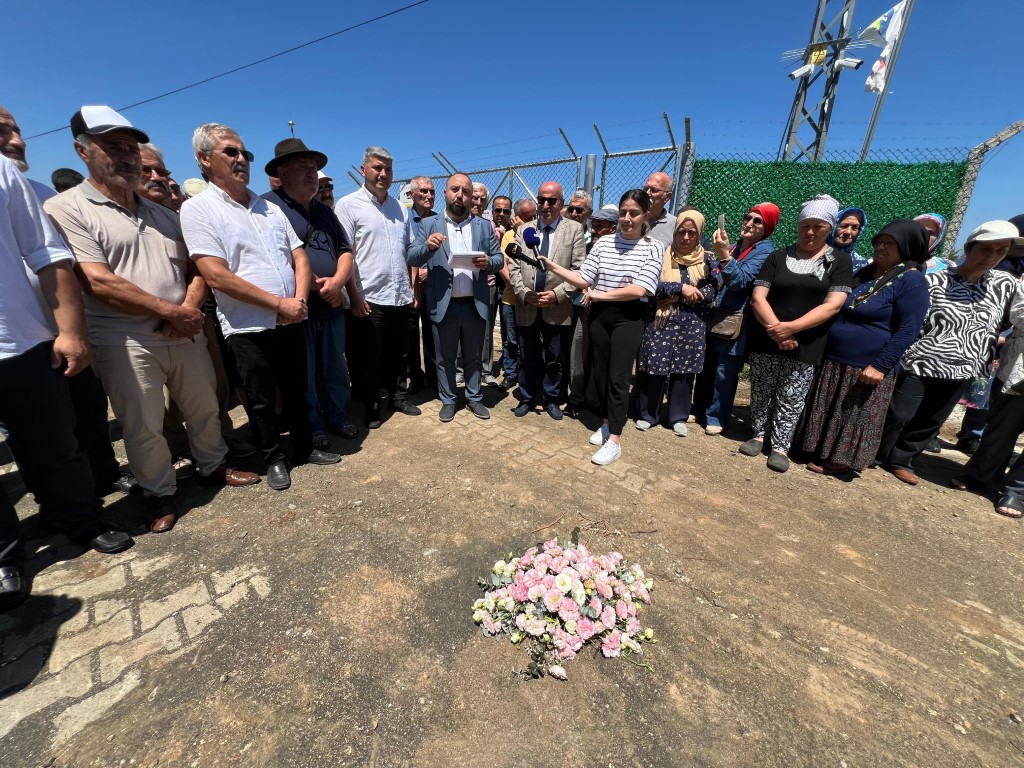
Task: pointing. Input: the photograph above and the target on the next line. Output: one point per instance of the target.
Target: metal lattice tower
(807, 129)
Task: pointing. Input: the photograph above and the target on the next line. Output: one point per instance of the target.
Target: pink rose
(595, 605)
(552, 599)
(520, 593)
(568, 610)
(608, 617)
(604, 589)
(611, 645)
(490, 626)
(620, 610)
(585, 629)
(632, 627)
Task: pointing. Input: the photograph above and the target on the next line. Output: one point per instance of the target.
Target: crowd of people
(175, 303)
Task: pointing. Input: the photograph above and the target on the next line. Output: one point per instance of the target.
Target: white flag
(885, 31)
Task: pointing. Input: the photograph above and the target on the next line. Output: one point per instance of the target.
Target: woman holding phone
(619, 271)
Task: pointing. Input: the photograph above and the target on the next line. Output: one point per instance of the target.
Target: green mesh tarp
(885, 190)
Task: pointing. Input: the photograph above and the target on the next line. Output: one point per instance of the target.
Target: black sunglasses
(548, 200)
(326, 186)
(501, 210)
(576, 209)
(158, 170)
(234, 152)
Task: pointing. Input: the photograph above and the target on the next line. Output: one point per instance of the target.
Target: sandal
(1010, 505)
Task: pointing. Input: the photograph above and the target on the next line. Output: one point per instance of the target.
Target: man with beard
(87, 396)
(142, 305)
(456, 293)
(381, 291)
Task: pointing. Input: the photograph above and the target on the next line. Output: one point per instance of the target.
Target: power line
(253, 63)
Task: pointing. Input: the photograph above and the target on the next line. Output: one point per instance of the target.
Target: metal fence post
(589, 173)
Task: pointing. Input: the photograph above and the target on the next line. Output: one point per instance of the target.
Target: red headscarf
(770, 213)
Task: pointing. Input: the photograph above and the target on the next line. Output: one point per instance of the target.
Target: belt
(463, 299)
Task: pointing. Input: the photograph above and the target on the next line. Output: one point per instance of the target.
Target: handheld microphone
(513, 251)
(532, 240)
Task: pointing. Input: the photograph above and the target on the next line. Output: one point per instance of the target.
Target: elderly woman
(618, 272)
(738, 264)
(850, 225)
(797, 293)
(672, 350)
(935, 225)
(879, 320)
(968, 307)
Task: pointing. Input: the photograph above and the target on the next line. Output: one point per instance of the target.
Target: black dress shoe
(404, 406)
(103, 538)
(507, 384)
(572, 411)
(374, 417)
(13, 586)
(316, 456)
(554, 411)
(278, 477)
(121, 482)
(522, 409)
(447, 413)
(348, 431)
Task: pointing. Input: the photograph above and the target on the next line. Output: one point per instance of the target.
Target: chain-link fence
(622, 171)
(891, 185)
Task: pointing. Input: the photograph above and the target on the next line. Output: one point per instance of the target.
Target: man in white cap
(967, 311)
(325, 189)
(142, 305)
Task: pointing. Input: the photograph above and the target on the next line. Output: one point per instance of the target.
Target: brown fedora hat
(289, 148)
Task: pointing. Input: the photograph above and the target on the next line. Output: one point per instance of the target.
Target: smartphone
(721, 222)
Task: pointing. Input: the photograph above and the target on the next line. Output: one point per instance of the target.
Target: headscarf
(770, 215)
(861, 216)
(822, 207)
(912, 243)
(938, 219)
(693, 262)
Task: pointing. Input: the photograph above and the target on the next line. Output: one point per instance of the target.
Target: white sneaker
(691, 419)
(601, 436)
(679, 428)
(609, 452)
(712, 429)
(643, 425)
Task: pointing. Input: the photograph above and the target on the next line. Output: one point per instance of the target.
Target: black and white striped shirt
(964, 320)
(614, 262)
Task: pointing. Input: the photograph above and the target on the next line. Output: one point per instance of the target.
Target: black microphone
(513, 251)
(532, 240)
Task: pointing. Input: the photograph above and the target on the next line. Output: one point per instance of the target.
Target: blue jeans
(715, 389)
(327, 371)
(509, 342)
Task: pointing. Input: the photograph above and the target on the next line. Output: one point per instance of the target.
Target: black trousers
(270, 361)
(36, 407)
(919, 407)
(615, 328)
(420, 370)
(382, 339)
(91, 427)
(540, 361)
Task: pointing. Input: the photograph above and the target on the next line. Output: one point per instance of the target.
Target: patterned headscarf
(940, 221)
(861, 216)
(822, 207)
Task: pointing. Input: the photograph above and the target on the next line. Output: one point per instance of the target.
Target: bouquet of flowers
(559, 597)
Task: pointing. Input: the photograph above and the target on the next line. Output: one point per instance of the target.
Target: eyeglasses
(753, 219)
(161, 172)
(549, 201)
(326, 186)
(654, 191)
(576, 209)
(234, 152)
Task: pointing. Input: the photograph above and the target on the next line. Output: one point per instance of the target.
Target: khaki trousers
(134, 378)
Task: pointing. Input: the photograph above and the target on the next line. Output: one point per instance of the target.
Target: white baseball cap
(995, 230)
(94, 120)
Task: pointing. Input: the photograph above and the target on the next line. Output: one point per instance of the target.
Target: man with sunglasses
(142, 305)
(325, 189)
(544, 309)
(660, 220)
(249, 254)
(154, 183)
(330, 259)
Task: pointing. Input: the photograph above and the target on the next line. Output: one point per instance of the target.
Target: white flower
(478, 616)
(499, 567)
(534, 627)
(557, 671)
(564, 582)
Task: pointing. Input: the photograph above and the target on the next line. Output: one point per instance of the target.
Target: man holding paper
(458, 249)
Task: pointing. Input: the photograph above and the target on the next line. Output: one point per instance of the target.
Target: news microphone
(532, 240)
(513, 251)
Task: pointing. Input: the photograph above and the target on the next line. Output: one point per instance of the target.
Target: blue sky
(489, 87)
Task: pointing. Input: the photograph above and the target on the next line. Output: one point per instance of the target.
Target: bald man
(660, 219)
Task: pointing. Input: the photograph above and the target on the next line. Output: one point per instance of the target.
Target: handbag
(725, 325)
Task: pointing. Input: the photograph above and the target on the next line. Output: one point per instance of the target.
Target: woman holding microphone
(620, 271)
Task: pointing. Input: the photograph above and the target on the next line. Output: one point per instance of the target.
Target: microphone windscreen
(531, 238)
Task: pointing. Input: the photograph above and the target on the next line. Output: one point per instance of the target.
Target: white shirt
(255, 240)
(460, 241)
(43, 192)
(379, 235)
(27, 239)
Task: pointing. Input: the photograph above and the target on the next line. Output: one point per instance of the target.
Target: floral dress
(678, 346)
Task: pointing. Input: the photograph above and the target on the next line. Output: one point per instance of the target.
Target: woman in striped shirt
(620, 271)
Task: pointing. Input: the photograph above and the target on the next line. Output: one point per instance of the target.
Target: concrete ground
(803, 620)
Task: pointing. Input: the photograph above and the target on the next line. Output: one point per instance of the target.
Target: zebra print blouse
(958, 338)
